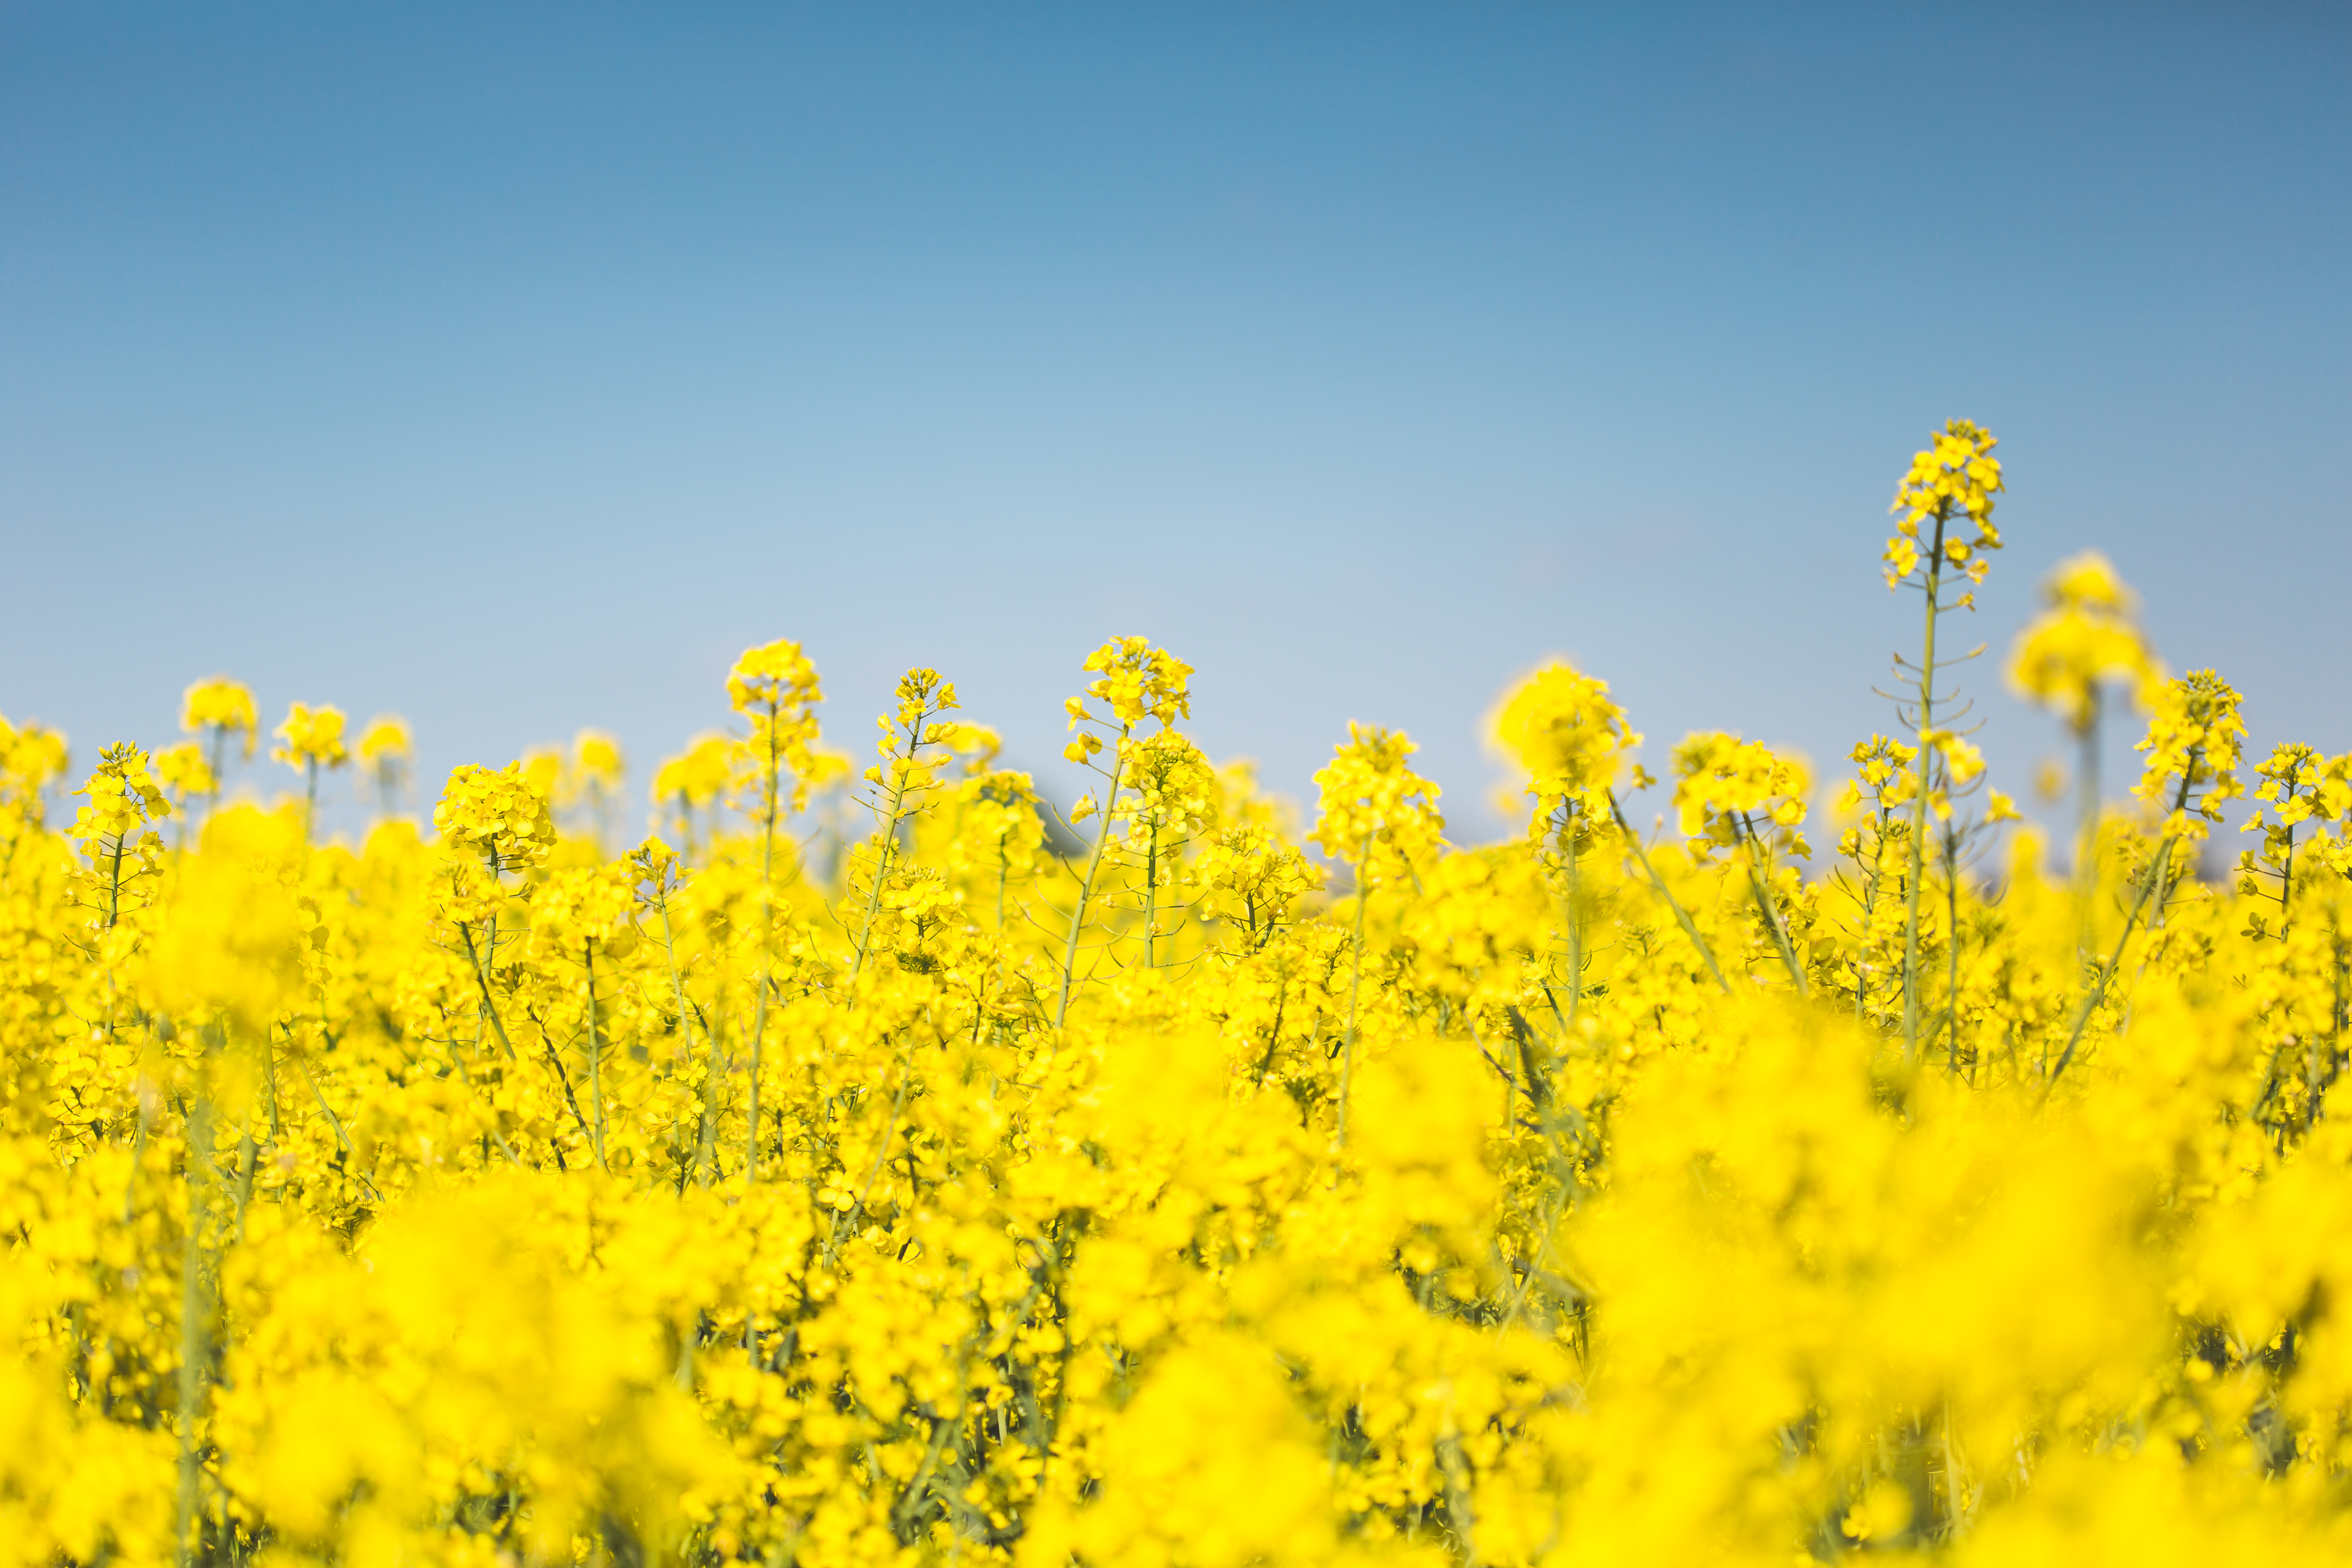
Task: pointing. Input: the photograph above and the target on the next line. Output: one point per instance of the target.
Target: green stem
(703, 1148)
(1151, 890)
(195, 1337)
(889, 846)
(1003, 873)
(220, 739)
(1575, 920)
(707, 1154)
(1681, 916)
(2086, 829)
(482, 980)
(770, 788)
(1355, 983)
(1759, 883)
(2150, 881)
(2286, 885)
(857, 1208)
(595, 1054)
(1952, 949)
(751, 1123)
(1087, 884)
(2086, 809)
(247, 1155)
(1870, 881)
(1919, 799)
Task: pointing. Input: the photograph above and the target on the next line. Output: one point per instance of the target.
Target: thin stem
(1681, 916)
(1870, 881)
(1003, 873)
(195, 1335)
(1087, 884)
(1759, 883)
(595, 1052)
(2086, 807)
(1919, 799)
(707, 1154)
(2086, 829)
(2286, 885)
(1355, 983)
(873, 1173)
(220, 739)
(770, 790)
(752, 1122)
(1575, 918)
(1952, 949)
(889, 844)
(482, 980)
(2150, 881)
(703, 1144)
(1151, 890)
(458, 1062)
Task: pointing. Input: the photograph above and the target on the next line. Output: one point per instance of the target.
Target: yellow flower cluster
(1953, 479)
(1377, 812)
(886, 1175)
(223, 707)
(494, 815)
(1560, 728)
(2085, 640)
(311, 738)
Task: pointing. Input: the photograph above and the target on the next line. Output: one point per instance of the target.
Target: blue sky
(513, 367)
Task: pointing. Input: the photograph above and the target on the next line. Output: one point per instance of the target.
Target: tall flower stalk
(1133, 682)
(775, 687)
(1947, 493)
(1379, 817)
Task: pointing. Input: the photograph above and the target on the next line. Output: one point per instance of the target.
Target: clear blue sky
(513, 367)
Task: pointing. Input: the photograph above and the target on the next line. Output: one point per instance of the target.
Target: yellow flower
(1728, 790)
(597, 760)
(185, 772)
(1375, 812)
(1136, 681)
(2084, 640)
(123, 797)
(495, 815)
(30, 756)
(312, 737)
(233, 927)
(223, 707)
(699, 774)
(776, 687)
(775, 674)
(2193, 744)
(1956, 477)
(385, 740)
(1561, 728)
(957, 1193)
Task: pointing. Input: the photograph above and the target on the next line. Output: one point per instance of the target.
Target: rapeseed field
(1182, 1181)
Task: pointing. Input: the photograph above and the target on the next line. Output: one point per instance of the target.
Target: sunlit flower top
(2193, 744)
(494, 814)
(1956, 477)
(2086, 639)
(1561, 726)
(387, 738)
(311, 738)
(222, 706)
(1375, 812)
(699, 774)
(1727, 790)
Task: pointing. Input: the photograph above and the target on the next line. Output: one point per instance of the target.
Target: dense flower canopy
(873, 1168)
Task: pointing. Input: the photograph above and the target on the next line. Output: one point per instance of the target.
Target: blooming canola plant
(1229, 1189)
